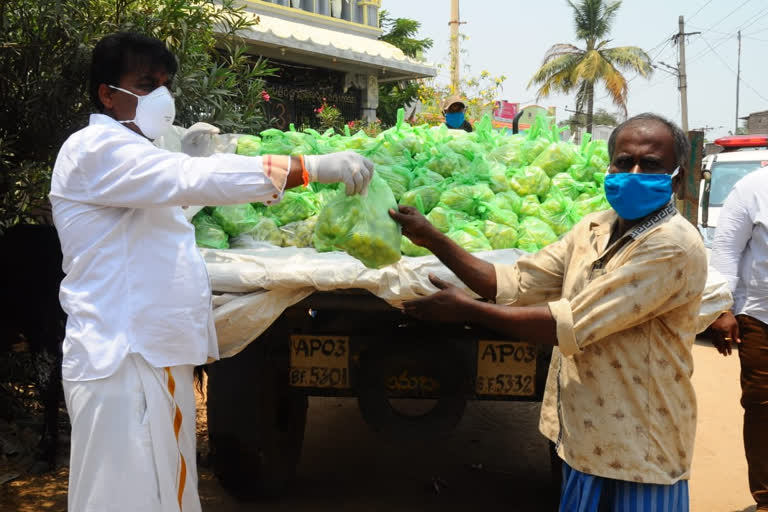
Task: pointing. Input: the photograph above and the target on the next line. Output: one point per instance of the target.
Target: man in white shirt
(136, 290)
(740, 254)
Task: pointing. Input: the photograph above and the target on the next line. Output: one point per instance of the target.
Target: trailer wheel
(381, 363)
(255, 422)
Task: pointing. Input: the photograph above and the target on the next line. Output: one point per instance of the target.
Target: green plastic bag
(299, 233)
(508, 200)
(397, 177)
(500, 236)
(208, 233)
(556, 158)
(423, 177)
(558, 211)
(410, 249)
(498, 178)
(489, 211)
(361, 226)
(422, 198)
(533, 148)
(447, 163)
(530, 206)
(248, 145)
(534, 234)
(590, 205)
(444, 219)
(571, 188)
(510, 153)
(266, 230)
(295, 206)
(530, 180)
(236, 219)
(466, 198)
(470, 237)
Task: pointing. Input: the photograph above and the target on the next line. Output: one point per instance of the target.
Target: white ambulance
(741, 155)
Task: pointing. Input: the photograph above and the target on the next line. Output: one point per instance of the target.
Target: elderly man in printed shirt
(621, 293)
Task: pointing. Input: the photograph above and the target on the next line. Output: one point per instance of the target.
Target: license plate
(506, 368)
(319, 361)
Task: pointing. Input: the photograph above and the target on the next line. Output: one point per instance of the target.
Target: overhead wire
(725, 63)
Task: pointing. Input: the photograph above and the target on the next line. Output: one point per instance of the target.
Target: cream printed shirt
(619, 402)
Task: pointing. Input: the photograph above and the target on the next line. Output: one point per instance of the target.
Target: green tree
(600, 117)
(567, 67)
(399, 32)
(45, 48)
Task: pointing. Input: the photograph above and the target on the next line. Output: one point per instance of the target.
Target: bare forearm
(295, 177)
(533, 324)
(477, 274)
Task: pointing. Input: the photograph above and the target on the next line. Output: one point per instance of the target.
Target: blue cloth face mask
(634, 196)
(454, 119)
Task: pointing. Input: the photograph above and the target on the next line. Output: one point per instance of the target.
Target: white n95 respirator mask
(155, 112)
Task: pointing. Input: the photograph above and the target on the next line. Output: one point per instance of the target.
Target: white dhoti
(133, 440)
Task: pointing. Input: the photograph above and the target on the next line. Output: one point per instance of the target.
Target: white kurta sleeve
(132, 173)
(734, 229)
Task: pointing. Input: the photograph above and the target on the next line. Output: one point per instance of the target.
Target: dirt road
(495, 458)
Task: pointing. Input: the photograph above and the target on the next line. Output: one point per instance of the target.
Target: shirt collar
(105, 120)
(602, 223)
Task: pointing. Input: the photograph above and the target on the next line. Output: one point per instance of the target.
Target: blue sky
(510, 37)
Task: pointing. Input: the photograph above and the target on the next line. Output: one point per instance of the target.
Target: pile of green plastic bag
(486, 190)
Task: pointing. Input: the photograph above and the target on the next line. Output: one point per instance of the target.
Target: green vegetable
(208, 233)
(248, 145)
(266, 230)
(422, 198)
(293, 207)
(534, 234)
(299, 233)
(470, 236)
(466, 198)
(411, 249)
(444, 218)
(556, 158)
(508, 200)
(530, 206)
(500, 236)
(397, 177)
(361, 226)
(530, 180)
(236, 219)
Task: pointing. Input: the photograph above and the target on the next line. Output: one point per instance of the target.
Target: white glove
(347, 167)
(199, 140)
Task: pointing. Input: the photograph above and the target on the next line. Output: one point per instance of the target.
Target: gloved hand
(199, 140)
(346, 167)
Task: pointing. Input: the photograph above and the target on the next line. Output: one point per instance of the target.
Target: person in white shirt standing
(136, 290)
(740, 254)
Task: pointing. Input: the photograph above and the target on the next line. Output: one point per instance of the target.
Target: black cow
(30, 276)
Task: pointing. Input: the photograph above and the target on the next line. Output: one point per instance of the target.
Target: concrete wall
(757, 122)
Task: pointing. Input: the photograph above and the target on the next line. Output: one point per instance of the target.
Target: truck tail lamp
(743, 141)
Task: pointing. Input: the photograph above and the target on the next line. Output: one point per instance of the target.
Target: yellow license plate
(506, 368)
(319, 361)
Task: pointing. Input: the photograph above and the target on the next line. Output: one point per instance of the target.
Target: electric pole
(454, 23)
(738, 76)
(683, 78)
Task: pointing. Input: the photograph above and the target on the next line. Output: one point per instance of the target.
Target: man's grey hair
(681, 142)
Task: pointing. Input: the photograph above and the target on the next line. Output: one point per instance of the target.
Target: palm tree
(567, 67)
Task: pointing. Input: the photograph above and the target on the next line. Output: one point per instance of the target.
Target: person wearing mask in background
(454, 109)
(618, 296)
(136, 290)
(740, 254)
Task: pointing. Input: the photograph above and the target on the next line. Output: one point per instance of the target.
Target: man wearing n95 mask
(136, 290)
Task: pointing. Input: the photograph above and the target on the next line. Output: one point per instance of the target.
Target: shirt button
(274, 196)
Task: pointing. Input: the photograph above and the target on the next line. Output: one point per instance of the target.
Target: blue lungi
(588, 493)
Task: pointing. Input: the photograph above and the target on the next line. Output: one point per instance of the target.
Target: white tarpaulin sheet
(254, 286)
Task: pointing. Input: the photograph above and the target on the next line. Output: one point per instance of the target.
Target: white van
(741, 155)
